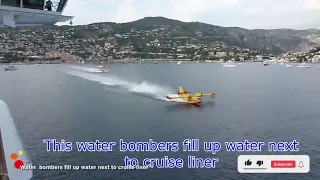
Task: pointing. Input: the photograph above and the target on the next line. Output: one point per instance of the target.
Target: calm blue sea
(253, 102)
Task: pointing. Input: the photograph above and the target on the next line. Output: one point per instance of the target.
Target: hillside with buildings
(152, 38)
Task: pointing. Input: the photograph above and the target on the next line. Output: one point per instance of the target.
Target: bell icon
(300, 165)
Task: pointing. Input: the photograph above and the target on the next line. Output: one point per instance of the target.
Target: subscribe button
(283, 164)
(273, 163)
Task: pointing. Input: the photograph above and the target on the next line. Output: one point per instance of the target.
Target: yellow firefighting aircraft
(189, 98)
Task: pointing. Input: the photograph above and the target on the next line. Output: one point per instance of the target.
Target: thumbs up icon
(248, 162)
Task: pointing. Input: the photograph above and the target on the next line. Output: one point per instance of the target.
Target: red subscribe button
(283, 164)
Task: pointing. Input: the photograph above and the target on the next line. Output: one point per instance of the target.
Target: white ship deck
(15, 15)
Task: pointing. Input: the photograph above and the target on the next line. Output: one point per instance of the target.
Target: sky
(251, 14)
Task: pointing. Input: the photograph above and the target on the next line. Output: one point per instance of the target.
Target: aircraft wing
(175, 97)
(168, 97)
(12, 152)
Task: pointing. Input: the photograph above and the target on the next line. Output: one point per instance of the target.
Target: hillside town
(96, 43)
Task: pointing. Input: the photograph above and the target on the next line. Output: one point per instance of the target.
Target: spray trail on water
(88, 69)
(143, 88)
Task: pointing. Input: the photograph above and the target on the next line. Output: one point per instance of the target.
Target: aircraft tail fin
(181, 90)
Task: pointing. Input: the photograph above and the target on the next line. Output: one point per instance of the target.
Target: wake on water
(87, 69)
(144, 88)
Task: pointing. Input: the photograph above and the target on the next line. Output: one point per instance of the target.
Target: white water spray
(87, 69)
(143, 88)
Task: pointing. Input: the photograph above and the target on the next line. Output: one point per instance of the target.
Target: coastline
(148, 61)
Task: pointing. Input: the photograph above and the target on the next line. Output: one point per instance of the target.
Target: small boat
(265, 63)
(37, 64)
(288, 65)
(10, 68)
(101, 70)
(304, 65)
(230, 64)
(179, 63)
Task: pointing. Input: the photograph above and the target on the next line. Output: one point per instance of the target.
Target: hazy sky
(301, 14)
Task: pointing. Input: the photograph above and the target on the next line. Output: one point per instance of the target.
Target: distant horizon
(67, 24)
(248, 14)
